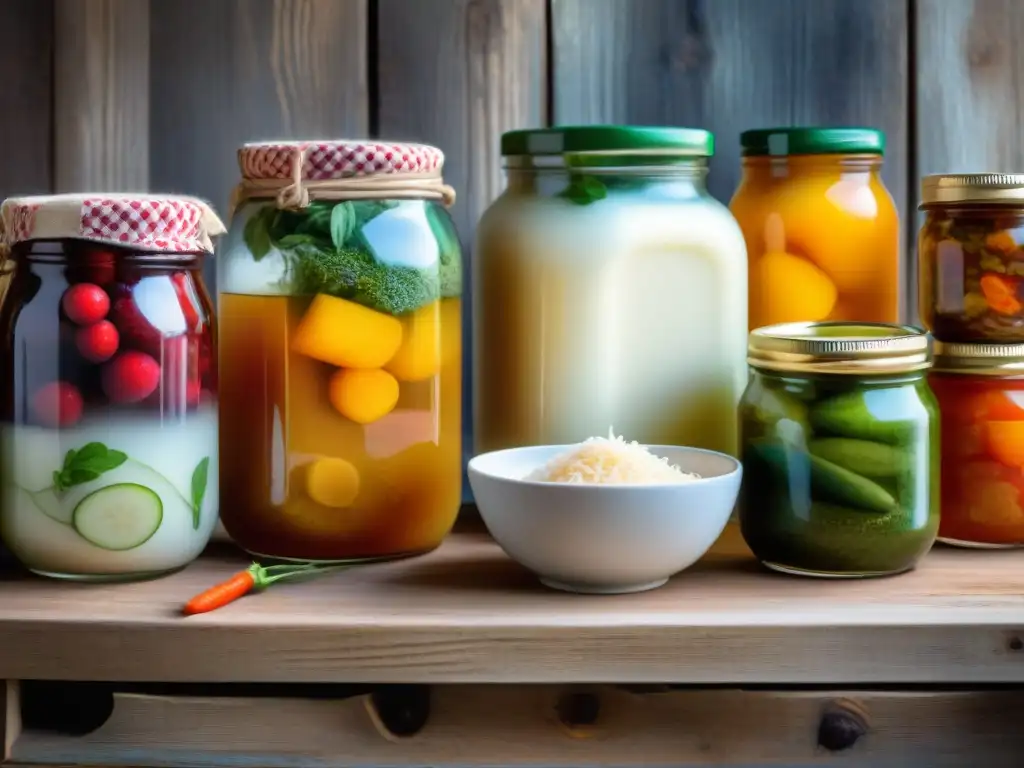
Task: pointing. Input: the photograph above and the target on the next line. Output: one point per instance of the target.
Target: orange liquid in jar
(286, 448)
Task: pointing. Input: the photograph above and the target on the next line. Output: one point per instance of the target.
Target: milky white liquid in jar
(628, 311)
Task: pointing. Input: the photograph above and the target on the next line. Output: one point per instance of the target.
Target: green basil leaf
(58, 480)
(199, 477)
(78, 476)
(343, 223)
(257, 234)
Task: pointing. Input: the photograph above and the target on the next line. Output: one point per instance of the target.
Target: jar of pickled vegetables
(980, 389)
(610, 291)
(971, 257)
(822, 231)
(108, 396)
(840, 449)
(340, 320)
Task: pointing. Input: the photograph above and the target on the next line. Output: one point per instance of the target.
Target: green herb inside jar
(840, 452)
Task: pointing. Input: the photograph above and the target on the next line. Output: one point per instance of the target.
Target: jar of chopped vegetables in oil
(840, 447)
(971, 257)
(980, 389)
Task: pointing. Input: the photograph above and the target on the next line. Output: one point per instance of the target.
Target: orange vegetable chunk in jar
(821, 229)
(341, 339)
(971, 257)
(980, 389)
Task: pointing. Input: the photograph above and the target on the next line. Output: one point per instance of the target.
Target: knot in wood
(841, 725)
(578, 709)
(402, 709)
(1015, 644)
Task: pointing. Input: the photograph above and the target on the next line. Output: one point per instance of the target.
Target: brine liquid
(277, 420)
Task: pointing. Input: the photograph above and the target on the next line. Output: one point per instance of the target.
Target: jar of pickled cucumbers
(980, 389)
(822, 231)
(610, 291)
(108, 392)
(840, 449)
(971, 257)
(340, 322)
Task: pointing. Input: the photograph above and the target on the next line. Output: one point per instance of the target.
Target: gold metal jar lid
(972, 188)
(980, 359)
(839, 347)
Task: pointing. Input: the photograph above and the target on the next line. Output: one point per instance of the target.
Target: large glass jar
(340, 318)
(840, 449)
(980, 389)
(822, 231)
(609, 292)
(971, 257)
(108, 397)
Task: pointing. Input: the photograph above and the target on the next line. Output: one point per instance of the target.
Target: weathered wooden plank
(26, 129)
(101, 94)
(970, 86)
(232, 71)
(549, 725)
(466, 613)
(729, 65)
(456, 74)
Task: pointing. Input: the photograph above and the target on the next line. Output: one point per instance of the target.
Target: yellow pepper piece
(332, 482)
(363, 395)
(792, 289)
(419, 357)
(347, 334)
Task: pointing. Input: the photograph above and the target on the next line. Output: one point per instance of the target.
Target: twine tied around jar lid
(296, 192)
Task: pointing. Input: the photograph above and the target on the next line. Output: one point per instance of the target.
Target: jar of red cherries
(108, 384)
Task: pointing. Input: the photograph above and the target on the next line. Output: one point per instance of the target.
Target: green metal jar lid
(692, 142)
(840, 347)
(779, 142)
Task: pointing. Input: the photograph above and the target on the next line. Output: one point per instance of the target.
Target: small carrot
(253, 578)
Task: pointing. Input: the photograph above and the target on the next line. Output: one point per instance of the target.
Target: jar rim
(953, 188)
(979, 358)
(609, 139)
(840, 347)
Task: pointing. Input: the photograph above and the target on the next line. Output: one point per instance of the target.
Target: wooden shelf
(466, 613)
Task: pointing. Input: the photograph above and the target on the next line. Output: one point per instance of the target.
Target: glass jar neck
(535, 175)
(72, 251)
(864, 381)
(763, 166)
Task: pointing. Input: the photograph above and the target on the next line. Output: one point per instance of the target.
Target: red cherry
(85, 303)
(97, 343)
(130, 377)
(57, 404)
(100, 266)
(135, 330)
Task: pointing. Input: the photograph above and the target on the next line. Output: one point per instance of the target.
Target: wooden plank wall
(157, 94)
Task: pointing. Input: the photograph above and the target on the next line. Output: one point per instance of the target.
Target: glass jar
(108, 398)
(840, 449)
(822, 231)
(609, 292)
(971, 257)
(980, 389)
(340, 318)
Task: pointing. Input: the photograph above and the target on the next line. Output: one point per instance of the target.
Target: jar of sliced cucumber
(840, 444)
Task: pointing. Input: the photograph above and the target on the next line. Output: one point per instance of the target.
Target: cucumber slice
(119, 517)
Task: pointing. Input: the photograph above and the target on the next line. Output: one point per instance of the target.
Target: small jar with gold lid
(980, 390)
(971, 257)
(840, 447)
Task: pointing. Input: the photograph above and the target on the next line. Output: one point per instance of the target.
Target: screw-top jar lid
(951, 188)
(158, 223)
(979, 359)
(780, 142)
(628, 139)
(839, 347)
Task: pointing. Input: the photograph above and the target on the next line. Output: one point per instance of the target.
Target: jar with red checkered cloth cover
(108, 391)
(340, 309)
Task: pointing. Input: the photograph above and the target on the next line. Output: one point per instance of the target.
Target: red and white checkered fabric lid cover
(337, 159)
(157, 223)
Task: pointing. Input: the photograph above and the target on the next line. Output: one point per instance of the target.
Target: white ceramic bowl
(604, 539)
